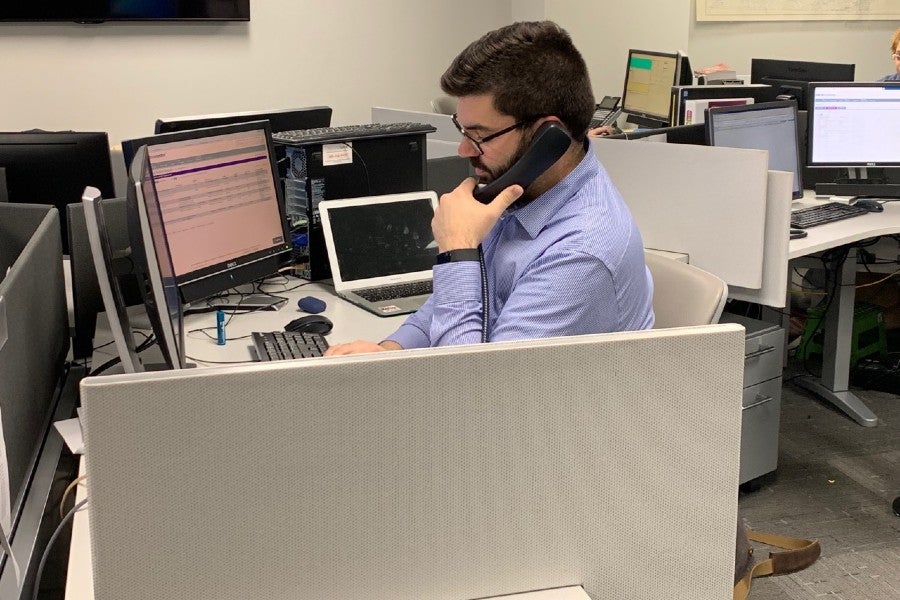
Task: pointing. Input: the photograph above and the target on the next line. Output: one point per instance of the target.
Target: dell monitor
(855, 127)
(54, 167)
(205, 215)
(790, 78)
(649, 77)
(770, 126)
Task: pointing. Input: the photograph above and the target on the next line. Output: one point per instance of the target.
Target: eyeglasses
(895, 56)
(477, 142)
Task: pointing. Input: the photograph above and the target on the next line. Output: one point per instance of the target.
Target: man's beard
(496, 173)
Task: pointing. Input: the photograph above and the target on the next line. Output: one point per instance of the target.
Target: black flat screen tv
(99, 11)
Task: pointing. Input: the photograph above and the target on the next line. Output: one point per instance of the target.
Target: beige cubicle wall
(459, 472)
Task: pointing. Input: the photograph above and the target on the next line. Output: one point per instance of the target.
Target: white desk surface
(847, 231)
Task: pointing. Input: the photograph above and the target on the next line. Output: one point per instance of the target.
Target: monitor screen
(768, 126)
(790, 78)
(127, 10)
(220, 206)
(649, 77)
(44, 167)
(854, 124)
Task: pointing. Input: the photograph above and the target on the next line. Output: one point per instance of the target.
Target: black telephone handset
(549, 144)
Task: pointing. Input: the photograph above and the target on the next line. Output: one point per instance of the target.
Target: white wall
(604, 30)
(864, 43)
(347, 54)
(352, 54)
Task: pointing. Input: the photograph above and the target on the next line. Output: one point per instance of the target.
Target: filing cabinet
(761, 406)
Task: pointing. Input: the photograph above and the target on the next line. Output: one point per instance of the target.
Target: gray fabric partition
(31, 360)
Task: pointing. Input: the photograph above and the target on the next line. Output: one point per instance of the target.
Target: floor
(835, 482)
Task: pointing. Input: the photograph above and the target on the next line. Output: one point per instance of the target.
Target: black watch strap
(459, 255)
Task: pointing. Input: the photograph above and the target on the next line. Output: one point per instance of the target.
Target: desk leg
(835, 381)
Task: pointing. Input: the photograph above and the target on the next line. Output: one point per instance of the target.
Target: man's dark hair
(532, 69)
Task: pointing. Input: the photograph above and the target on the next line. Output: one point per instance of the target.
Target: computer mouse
(869, 204)
(310, 324)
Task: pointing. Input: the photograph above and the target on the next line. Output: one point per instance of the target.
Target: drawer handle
(760, 352)
(760, 400)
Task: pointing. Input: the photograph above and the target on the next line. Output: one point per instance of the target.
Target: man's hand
(601, 131)
(362, 347)
(461, 221)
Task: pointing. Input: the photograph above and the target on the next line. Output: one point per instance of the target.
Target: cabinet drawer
(760, 420)
(763, 356)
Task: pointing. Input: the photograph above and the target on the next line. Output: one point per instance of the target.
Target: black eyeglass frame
(478, 142)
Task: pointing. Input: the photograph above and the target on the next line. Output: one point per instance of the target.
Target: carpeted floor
(835, 482)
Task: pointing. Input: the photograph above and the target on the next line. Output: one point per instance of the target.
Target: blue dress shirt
(569, 263)
(891, 77)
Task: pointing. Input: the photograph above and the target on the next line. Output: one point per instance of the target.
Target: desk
(833, 385)
(350, 323)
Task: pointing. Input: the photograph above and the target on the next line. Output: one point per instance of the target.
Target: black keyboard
(327, 135)
(393, 292)
(285, 345)
(824, 213)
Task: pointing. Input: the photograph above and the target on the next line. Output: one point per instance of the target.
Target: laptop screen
(381, 239)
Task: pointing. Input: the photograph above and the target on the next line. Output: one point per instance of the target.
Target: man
(562, 257)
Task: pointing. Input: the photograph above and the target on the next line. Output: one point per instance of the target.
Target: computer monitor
(649, 77)
(206, 215)
(280, 120)
(853, 126)
(790, 78)
(54, 167)
(770, 126)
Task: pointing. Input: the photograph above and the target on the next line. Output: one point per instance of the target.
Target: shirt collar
(535, 215)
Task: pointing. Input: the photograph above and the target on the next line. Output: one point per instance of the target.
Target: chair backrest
(445, 105)
(684, 295)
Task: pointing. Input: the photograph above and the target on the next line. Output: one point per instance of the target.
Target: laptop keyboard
(394, 292)
(285, 345)
(824, 213)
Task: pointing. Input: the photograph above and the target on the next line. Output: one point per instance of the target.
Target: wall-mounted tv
(98, 11)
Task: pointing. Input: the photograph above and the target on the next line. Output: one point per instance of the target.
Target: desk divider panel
(707, 202)
(452, 473)
(33, 346)
(775, 254)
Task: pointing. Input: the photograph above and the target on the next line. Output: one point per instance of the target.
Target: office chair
(684, 295)
(444, 105)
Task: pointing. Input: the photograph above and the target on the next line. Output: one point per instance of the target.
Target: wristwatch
(459, 255)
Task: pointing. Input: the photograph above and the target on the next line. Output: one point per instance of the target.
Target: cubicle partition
(720, 206)
(424, 474)
(34, 340)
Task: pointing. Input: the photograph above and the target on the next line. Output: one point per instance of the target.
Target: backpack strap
(798, 554)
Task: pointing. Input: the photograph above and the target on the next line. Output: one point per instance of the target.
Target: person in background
(895, 55)
(562, 256)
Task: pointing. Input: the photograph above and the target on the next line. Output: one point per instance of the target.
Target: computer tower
(348, 169)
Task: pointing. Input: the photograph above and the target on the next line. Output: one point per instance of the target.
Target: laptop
(381, 250)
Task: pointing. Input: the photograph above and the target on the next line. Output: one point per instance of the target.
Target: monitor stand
(858, 183)
(238, 302)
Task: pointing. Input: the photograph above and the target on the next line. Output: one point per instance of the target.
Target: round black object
(897, 506)
(310, 324)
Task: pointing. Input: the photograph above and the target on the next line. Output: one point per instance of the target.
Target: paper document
(70, 430)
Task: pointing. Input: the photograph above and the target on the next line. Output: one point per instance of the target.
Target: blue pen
(220, 327)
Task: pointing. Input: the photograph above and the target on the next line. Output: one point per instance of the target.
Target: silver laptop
(381, 250)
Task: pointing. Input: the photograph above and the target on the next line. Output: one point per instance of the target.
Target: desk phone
(606, 112)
